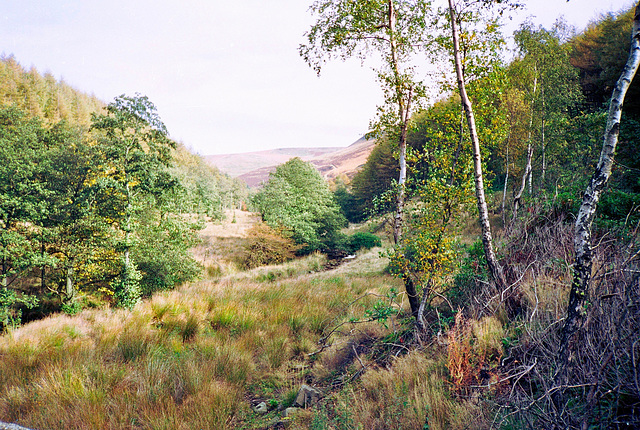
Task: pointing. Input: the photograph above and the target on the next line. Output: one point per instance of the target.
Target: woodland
(493, 242)
(95, 198)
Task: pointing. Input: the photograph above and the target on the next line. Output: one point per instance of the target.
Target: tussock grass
(188, 358)
(201, 355)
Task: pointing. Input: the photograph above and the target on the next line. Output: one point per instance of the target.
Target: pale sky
(225, 75)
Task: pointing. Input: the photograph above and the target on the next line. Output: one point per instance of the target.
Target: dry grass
(188, 358)
(199, 356)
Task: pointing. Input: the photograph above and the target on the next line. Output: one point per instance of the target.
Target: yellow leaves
(106, 291)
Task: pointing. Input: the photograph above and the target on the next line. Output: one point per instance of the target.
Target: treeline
(95, 212)
(44, 96)
(543, 119)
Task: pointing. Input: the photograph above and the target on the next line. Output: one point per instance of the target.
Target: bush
(363, 240)
(10, 312)
(163, 255)
(266, 246)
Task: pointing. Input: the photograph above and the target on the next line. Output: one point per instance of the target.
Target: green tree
(163, 251)
(21, 202)
(600, 54)
(394, 30)
(73, 233)
(136, 154)
(457, 16)
(22, 193)
(376, 177)
(543, 72)
(298, 200)
(442, 193)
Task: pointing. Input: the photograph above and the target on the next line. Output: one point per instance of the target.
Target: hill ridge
(331, 162)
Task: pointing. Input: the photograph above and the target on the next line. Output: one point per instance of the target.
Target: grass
(188, 358)
(200, 356)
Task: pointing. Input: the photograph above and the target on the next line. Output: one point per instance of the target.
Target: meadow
(202, 355)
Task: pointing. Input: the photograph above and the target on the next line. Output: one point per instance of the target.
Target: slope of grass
(202, 355)
(190, 358)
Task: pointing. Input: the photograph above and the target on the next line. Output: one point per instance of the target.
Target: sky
(225, 76)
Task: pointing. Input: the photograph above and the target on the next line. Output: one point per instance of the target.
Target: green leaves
(137, 154)
(298, 200)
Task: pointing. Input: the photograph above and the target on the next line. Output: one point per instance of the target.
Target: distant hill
(240, 164)
(254, 167)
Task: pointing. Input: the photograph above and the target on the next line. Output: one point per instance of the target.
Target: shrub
(363, 240)
(10, 313)
(266, 246)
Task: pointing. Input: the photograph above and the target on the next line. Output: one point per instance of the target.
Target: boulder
(307, 396)
(261, 408)
(289, 412)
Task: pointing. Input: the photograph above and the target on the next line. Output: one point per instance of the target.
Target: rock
(7, 426)
(273, 423)
(307, 396)
(289, 412)
(261, 408)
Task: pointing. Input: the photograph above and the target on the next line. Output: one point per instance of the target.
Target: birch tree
(392, 30)
(487, 240)
(578, 296)
(551, 85)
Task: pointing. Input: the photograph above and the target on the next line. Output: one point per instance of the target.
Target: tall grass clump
(411, 393)
(187, 358)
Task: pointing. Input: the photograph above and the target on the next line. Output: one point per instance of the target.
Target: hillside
(43, 96)
(200, 356)
(254, 167)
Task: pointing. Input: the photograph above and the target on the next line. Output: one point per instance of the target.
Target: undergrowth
(201, 356)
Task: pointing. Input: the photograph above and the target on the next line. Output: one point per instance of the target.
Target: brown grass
(201, 355)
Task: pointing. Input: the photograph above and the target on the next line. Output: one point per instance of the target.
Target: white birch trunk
(494, 267)
(578, 297)
(404, 110)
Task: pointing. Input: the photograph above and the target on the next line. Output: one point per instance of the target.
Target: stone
(261, 408)
(289, 412)
(307, 396)
(7, 426)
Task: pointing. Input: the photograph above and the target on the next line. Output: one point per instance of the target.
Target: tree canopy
(298, 201)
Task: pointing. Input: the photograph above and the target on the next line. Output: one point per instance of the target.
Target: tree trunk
(403, 114)
(504, 188)
(487, 241)
(70, 291)
(3, 276)
(578, 297)
(404, 108)
(526, 176)
(43, 269)
(543, 143)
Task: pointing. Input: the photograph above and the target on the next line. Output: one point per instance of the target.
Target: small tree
(393, 29)
(298, 200)
(443, 193)
(136, 150)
